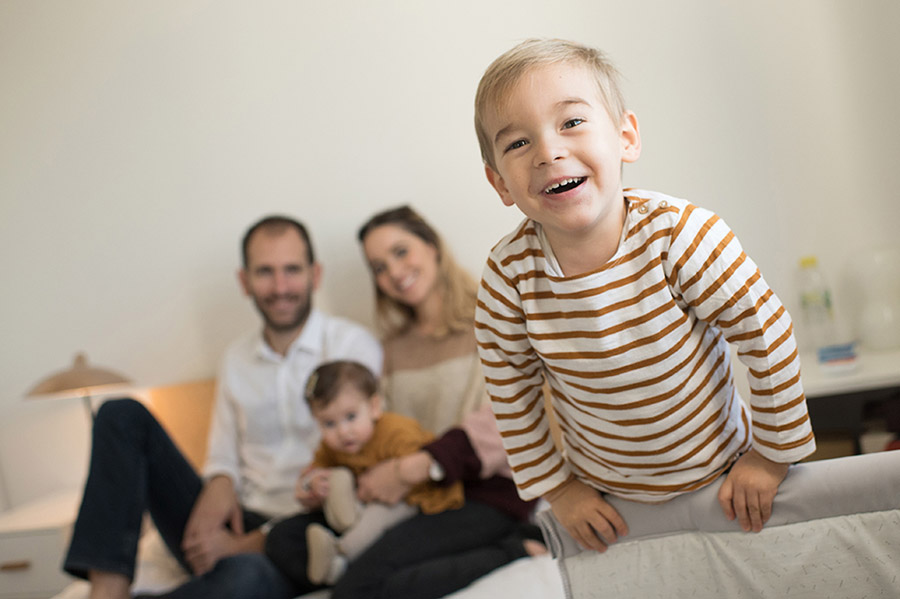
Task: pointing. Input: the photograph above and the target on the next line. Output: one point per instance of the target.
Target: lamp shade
(77, 381)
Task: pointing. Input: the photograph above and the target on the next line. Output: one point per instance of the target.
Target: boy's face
(558, 154)
(348, 422)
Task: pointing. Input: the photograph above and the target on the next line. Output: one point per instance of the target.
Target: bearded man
(261, 437)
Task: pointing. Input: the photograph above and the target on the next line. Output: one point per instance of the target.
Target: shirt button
(663, 204)
(643, 208)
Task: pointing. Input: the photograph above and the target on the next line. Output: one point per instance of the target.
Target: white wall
(139, 139)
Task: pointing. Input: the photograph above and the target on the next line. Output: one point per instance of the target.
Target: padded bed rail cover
(834, 532)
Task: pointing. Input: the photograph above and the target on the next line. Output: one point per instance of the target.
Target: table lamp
(81, 380)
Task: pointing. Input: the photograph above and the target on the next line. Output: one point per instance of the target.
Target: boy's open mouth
(564, 186)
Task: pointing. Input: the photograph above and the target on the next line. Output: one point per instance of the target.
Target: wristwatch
(436, 471)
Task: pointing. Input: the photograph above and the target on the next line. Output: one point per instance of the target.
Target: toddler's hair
(329, 378)
(505, 71)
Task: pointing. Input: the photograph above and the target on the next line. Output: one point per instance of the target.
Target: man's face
(280, 279)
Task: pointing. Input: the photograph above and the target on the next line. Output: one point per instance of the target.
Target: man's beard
(301, 313)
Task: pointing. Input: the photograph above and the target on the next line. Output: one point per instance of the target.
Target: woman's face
(405, 267)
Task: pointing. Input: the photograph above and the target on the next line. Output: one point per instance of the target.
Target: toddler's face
(558, 152)
(348, 422)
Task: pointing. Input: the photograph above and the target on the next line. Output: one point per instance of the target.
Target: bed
(184, 411)
(835, 532)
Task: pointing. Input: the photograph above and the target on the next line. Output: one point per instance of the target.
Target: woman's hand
(391, 480)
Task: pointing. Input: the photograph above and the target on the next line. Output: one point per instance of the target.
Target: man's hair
(329, 378)
(457, 285)
(508, 68)
(277, 224)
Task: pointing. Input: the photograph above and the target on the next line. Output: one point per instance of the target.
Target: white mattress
(834, 532)
(527, 578)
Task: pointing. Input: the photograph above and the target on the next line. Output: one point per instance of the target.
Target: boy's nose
(547, 151)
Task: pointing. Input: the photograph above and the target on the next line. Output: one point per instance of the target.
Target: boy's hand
(312, 487)
(749, 490)
(586, 516)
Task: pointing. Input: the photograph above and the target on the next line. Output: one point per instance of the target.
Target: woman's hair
(328, 379)
(457, 287)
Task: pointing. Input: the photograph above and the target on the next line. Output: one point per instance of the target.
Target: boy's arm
(723, 286)
(514, 376)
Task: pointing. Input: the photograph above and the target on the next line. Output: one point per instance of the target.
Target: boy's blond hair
(508, 68)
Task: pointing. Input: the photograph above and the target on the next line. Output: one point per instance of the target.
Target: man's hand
(586, 516)
(749, 490)
(203, 552)
(216, 506)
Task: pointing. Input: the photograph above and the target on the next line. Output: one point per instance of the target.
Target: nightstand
(33, 538)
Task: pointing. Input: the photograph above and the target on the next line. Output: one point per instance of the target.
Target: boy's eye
(351, 416)
(400, 252)
(516, 144)
(572, 123)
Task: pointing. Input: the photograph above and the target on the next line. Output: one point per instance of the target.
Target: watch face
(435, 472)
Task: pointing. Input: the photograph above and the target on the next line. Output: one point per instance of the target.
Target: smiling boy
(624, 304)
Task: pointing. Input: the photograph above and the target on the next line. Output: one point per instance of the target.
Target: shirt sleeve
(356, 343)
(710, 273)
(514, 376)
(222, 455)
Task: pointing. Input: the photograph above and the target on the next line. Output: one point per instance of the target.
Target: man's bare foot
(109, 585)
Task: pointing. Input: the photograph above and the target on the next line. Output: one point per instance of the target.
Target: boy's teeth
(556, 187)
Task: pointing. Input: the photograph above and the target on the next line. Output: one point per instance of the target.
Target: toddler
(623, 302)
(356, 435)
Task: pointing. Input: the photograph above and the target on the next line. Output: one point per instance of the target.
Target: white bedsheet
(527, 578)
(834, 532)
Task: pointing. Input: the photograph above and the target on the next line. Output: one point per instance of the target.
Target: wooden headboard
(184, 410)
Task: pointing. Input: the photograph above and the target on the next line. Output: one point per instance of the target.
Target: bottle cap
(808, 262)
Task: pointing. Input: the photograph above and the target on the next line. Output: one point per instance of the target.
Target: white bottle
(819, 326)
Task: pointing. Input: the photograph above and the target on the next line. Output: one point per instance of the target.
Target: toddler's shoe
(325, 564)
(341, 507)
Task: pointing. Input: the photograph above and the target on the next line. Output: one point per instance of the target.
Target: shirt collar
(309, 341)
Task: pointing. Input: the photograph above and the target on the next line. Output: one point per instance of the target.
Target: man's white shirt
(262, 433)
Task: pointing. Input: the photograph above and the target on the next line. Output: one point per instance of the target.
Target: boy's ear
(498, 184)
(376, 406)
(631, 137)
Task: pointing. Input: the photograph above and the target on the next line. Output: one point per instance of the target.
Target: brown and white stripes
(636, 357)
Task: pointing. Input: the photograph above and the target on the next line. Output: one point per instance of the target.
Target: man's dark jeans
(135, 467)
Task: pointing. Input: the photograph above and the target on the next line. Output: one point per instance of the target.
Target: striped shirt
(636, 357)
